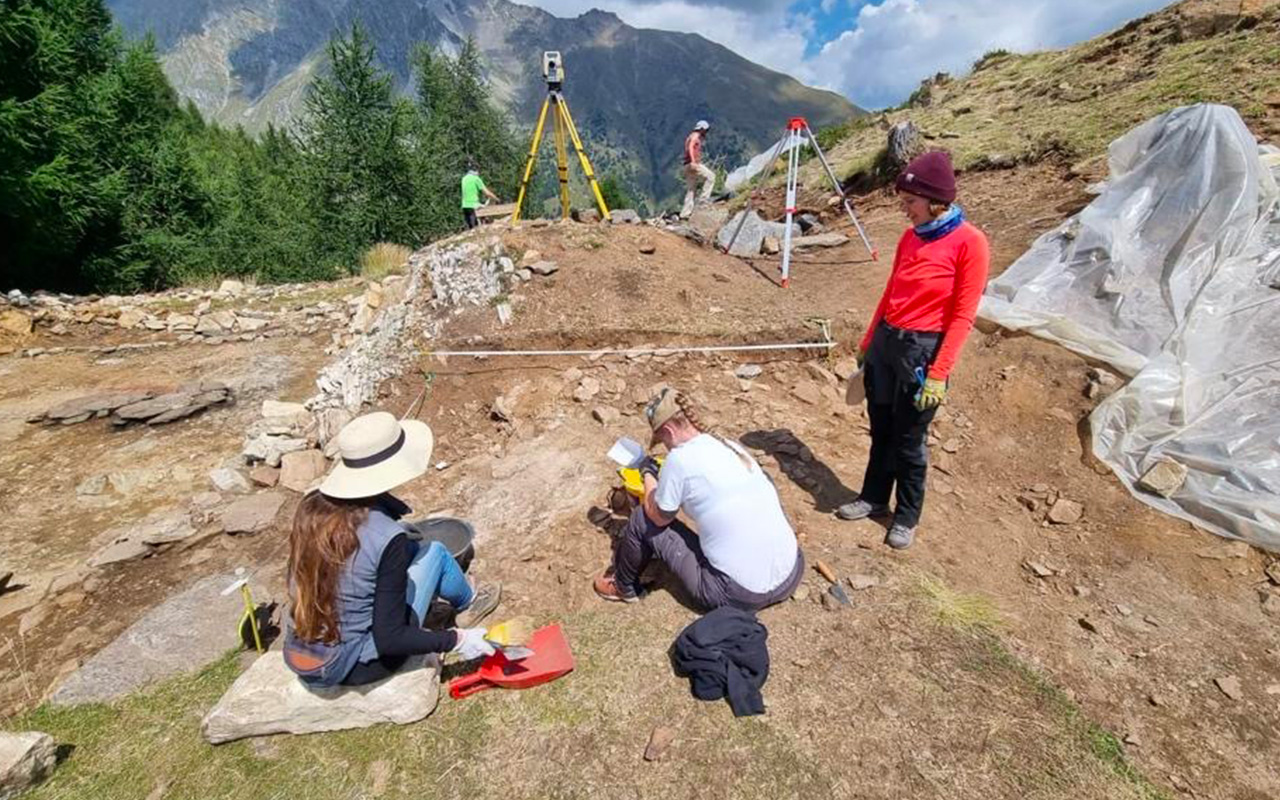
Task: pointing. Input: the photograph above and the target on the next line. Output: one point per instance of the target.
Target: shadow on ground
(803, 467)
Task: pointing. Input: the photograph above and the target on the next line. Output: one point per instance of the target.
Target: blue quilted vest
(356, 584)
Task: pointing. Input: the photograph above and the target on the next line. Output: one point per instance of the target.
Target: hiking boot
(483, 601)
(607, 587)
(861, 509)
(900, 536)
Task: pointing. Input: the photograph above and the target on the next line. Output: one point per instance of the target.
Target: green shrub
(989, 58)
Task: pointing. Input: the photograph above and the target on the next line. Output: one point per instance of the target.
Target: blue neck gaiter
(936, 229)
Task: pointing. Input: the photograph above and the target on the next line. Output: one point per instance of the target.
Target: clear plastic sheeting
(1172, 277)
(740, 177)
(1116, 281)
(1211, 402)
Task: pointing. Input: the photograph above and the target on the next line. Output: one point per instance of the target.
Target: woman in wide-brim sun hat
(914, 340)
(359, 588)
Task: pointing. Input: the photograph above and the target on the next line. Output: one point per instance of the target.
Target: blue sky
(875, 52)
(828, 19)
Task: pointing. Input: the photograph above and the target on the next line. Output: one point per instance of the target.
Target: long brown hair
(690, 413)
(322, 539)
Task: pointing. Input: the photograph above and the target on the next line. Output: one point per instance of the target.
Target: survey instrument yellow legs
(564, 132)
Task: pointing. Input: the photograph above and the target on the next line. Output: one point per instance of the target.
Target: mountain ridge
(634, 92)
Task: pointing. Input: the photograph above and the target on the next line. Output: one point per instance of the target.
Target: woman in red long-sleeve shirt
(915, 336)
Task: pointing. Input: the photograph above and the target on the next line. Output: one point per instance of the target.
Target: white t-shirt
(735, 509)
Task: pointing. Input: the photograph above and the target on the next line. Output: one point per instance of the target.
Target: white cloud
(893, 46)
(887, 48)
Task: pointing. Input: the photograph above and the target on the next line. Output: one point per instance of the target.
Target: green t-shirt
(472, 186)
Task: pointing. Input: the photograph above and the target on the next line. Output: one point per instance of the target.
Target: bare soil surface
(986, 661)
(50, 529)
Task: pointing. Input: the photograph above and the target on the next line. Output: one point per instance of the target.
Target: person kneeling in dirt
(744, 554)
(914, 339)
(359, 588)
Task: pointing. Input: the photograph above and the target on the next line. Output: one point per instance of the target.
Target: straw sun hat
(377, 453)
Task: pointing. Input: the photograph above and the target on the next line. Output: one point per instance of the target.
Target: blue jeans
(433, 573)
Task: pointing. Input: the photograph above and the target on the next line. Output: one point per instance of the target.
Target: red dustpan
(551, 659)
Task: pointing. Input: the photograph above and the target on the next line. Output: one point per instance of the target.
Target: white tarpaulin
(740, 177)
(1168, 276)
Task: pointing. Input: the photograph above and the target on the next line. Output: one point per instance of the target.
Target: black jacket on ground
(725, 654)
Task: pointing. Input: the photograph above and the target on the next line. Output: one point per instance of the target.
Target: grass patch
(335, 293)
(384, 259)
(1103, 745)
(833, 135)
(583, 736)
(966, 612)
(975, 618)
(149, 745)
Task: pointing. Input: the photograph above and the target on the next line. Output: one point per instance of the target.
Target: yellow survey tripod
(562, 121)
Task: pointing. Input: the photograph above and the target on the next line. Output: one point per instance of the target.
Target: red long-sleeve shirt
(936, 286)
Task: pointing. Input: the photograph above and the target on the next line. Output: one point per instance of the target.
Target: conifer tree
(353, 136)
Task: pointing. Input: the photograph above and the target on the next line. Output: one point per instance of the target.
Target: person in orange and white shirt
(695, 170)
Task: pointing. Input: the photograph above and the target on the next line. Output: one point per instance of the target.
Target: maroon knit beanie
(931, 176)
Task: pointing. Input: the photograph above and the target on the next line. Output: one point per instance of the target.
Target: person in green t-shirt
(472, 186)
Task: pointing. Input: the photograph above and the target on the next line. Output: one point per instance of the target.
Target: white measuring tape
(656, 351)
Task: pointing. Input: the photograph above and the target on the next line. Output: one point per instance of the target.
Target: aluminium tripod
(564, 129)
(797, 133)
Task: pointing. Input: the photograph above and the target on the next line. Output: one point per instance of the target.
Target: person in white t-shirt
(744, 553)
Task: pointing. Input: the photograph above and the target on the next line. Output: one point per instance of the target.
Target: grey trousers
(678, 548)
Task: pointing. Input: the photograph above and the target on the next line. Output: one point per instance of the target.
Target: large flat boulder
(173, 406)
(820, 240)
(186, 632)
(707, 220)
(301, 469)
(82, 408)
(25, 760)
(138, 540)
(751, 236)
(16, 322)
(269, 699)
(252, 514)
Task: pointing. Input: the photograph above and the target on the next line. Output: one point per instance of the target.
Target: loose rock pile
(143, 406)
(286, 447)
(468, 273)
(234, 312)
(354, 379)
(451, 274)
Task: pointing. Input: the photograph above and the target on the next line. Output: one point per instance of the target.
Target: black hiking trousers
(899, 456)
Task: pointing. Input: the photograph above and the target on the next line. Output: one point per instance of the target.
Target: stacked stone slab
(142, 406)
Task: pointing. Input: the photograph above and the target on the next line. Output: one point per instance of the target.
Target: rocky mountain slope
(634, 93)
